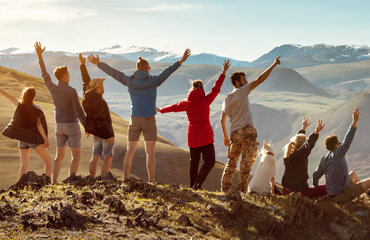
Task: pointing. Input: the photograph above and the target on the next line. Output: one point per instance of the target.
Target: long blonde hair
(295, 142)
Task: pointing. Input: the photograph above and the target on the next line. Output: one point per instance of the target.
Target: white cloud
(163, 8)
(15, 11)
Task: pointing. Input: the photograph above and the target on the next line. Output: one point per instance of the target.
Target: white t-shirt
(236, 106)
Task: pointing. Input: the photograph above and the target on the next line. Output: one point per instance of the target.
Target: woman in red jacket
(199, 132)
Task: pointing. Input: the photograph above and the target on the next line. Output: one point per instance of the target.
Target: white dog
(263, 180)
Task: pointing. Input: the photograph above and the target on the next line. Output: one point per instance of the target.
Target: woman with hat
(98, 120)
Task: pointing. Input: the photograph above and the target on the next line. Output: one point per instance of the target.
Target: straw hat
(96, 82)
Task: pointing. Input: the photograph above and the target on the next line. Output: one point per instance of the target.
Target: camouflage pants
(244, 141)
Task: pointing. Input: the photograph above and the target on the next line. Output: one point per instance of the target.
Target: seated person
(296, 162)
(341, 186)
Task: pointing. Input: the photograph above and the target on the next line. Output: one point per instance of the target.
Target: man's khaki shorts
(350, 193)
(147, 125)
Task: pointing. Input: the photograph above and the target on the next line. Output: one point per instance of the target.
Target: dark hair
(59, 72)
(236, 77)
(331, 141)
(28, 111)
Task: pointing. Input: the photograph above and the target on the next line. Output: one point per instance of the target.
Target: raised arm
(343, 148)
(162, 76)
(84, 74)
(217, 87)
(224, 129)
(42, 132)
(45, 75)
(263, 76)
(177, 107)
(11, 98)
(119, 76)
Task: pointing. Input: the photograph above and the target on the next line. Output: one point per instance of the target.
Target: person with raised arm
(296, 162)
(243, 136)
(199, 131)
(29, 126)
(143, 94)
(341, 186)
(98, 120)
(67, 109)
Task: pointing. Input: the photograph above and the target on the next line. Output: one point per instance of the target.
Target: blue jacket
(334, 166)
(142, 87)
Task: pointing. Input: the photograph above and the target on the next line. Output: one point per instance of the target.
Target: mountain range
(293, 55)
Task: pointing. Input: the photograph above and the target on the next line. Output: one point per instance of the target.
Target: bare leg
(44, 154)
(365, 185)
(106, 164)
(76, 156)
(353, 176)
(25, 157)
(127, 161)
(93, 164)
(61, 152)
(150, 159)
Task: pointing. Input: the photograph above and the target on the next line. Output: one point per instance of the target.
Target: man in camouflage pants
(243, 134)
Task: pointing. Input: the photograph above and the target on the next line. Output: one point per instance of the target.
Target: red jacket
(196, 105)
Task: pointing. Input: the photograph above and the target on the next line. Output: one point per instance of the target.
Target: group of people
(28, 125)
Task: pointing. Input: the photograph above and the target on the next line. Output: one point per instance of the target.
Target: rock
(171, 207)
(31, 179)
(29, 225)
(128, 223)
(117, 206)
(72, 219)
(342, 232)
(234, 194)
(350, 206)
(138, 210)
(108, 177)
(183, 220)
(108, 199)
(235, 205)
(361, 235)
(69, 193)
(213, 209)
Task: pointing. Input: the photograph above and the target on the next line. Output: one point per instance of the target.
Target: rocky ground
(106, 208)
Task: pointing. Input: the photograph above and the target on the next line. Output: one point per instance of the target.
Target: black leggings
(209, 157)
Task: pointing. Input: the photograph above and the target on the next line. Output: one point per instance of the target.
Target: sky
(238, 29)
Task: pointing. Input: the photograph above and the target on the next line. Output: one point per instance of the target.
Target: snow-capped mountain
(296, 56)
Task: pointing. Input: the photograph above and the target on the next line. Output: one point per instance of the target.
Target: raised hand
(277, 61)
(82, 59)
(319, 127)
(225, 66)
(305, 123)
(355, 117)
(39, 50)
(93, 60)
(187, 53)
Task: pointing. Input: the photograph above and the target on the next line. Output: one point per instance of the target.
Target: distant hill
(287, 79)
(172, 162)
(296, 56)
(338, 120)
(325, 76)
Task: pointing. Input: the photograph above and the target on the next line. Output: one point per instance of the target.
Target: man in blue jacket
(341, 186)
(143, 94)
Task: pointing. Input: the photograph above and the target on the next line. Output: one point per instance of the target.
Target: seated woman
(28, 125)
(296, 162)
(199, 133)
